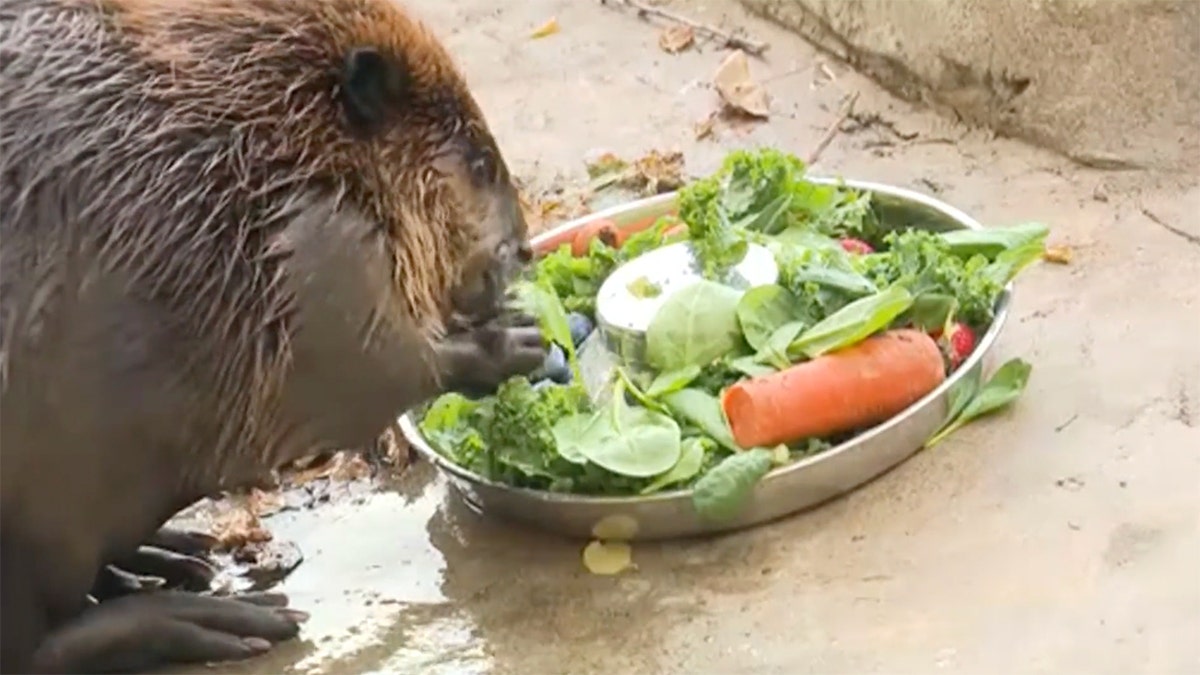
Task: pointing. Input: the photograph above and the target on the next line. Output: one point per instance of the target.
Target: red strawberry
(856, 246)
(959, 342)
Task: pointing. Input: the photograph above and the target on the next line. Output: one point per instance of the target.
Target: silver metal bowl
(785, 490)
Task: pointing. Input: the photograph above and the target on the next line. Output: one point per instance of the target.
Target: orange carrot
(674, 230)
(858, 386)
(603, 229)
(579, 242)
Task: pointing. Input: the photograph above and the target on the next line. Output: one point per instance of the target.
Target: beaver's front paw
(172, 559)
(475, 362)
(150, 630)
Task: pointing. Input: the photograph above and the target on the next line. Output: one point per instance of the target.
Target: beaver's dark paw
(476, 362)
(171, 558)
(149, 630)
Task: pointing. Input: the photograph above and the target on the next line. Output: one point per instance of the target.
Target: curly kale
(761, 193)
(923, 262)
(506, 437)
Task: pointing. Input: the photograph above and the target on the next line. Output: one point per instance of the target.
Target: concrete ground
(1062, 537)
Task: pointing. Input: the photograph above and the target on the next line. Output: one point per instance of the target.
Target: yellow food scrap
(1057, 254)
(607, 558)
(545, 30)
(617, 527)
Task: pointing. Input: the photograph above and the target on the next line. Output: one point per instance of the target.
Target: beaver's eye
(482, 166)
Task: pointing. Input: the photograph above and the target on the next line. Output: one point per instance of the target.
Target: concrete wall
(1110, 83)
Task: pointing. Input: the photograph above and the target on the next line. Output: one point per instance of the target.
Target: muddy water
(409, 580)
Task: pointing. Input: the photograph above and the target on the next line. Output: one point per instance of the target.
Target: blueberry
(555, 367)
(581, 327)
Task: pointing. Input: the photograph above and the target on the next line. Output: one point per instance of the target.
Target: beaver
(235, 232)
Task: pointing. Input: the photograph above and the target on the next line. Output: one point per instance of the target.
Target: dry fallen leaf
(607, 558)
(237, 528)
(737, 89)
(704, 128)
(544, 30)
(1057, 254)
(676, 39)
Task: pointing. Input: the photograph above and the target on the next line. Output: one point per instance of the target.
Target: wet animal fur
(186, 136)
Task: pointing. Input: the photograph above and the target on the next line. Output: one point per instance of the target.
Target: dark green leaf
(853, 323)
(695, 325)
(703, 410)
(720, 494)
(1004, 387)
(672, 381)
(762, 310)
(992, 241)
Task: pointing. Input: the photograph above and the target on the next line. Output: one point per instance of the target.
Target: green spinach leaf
(991, 242)
(721, 493)
(853, 323)
(543, 304)
(1004, 387)
(691, 458)
(775, 351)
(695, 325)
(762, 310)
(672, 380)
(703, 410)
(930, 311)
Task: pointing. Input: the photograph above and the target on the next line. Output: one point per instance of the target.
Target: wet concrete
(1061, 537)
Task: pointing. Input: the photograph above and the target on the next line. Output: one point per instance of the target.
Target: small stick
(832, 131)
(747, 45)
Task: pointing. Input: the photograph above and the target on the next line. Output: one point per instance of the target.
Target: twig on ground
(1177, 231)
(750, 46)
(832, 131)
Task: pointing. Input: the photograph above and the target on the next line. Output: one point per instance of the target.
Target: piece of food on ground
(844, 390)
(607, 557)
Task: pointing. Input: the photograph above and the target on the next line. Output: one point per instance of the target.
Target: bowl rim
(413, 434)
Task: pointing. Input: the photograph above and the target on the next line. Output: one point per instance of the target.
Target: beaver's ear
(374, 88)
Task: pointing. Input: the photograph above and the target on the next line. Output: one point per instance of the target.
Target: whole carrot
(844, 390)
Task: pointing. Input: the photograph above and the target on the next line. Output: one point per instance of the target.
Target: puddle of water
(372, 582)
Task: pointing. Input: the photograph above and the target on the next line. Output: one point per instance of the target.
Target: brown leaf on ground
(675, 39)
(343, 465)
(653, 173)
(705, 127)
(1060, 255)
(263, 502)
(238, 527)
(737, 88)
(547, 29)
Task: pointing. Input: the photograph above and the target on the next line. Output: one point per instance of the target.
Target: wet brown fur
(189, 133)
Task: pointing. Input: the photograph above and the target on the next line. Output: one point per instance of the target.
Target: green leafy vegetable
(999, 392)
(626, 440)
(930, 311)
(762, 310)
(775, 351)
(691, 459)
(704, 411)
(543, 304)
(991, 242)
(921, 262)
(672, 380)
(720, 494)
(694, 326)
(853, 323)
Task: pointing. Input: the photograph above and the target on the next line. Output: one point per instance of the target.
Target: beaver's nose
(524, 252)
